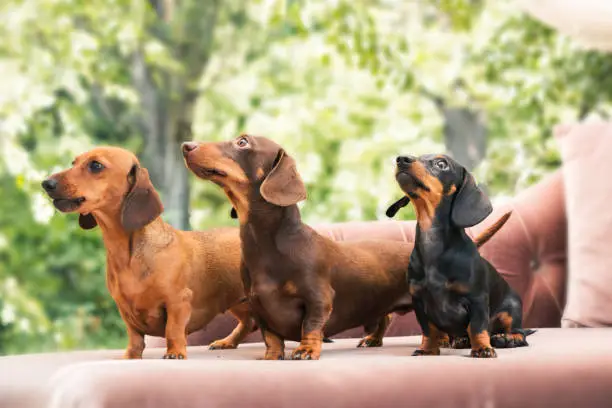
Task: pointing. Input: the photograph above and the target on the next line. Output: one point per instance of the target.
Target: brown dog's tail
(489, 232)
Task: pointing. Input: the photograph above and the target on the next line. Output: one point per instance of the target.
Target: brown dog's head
(431, 180)
(247, 168)
(106, 180)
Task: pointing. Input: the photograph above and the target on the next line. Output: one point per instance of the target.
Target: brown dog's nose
(405, 160)
(49, 184)
(189, 147)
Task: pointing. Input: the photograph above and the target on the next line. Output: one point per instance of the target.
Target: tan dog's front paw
(305, 352)
(370, 341)
(175, 355)
(222, 345)
(132, 355)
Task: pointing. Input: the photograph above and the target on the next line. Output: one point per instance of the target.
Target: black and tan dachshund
(454, 289)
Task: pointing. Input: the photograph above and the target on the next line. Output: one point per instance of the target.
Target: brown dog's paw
(132, 355)
(421, 352)
(484, 352)
(273, 356)
(508, 341)
(305, 353)
(175, 355)
(221, 345)
(460, 343)
(370, 341)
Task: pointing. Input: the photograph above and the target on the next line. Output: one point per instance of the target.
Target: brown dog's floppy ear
(283, 186)
(470, 206)
(396, 206)
(142, 203)
(87, 221)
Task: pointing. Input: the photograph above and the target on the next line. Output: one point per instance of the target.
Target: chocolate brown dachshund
(165, 282)
(302, 286)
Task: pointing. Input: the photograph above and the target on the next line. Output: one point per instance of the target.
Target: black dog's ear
(233, 213)
(396, 206)
(470, 206)
(87, 221)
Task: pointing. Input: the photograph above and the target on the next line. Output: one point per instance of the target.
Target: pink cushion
(587, 152)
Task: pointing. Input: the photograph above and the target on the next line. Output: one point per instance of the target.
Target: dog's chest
(139, 302)
(446, 309)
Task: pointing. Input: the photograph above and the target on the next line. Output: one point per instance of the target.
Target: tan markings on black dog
(430, 344)
(165, 282)
(481, 344)
(427, 199)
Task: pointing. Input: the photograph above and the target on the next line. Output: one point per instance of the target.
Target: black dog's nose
(49, 184)
(188, 147)
(405, 160)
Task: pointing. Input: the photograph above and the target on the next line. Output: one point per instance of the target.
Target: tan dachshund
(165, 282)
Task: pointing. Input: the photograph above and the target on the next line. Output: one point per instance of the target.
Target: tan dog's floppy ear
(87, 221)
(470, 206)
(396, 206)
(283, 186)
(142, 203)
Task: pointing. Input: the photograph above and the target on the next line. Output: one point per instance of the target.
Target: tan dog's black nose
(189, 147)
(49, 184)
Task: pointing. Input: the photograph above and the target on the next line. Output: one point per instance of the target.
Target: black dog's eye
(442, 164)
(242, 142)
(95, 166)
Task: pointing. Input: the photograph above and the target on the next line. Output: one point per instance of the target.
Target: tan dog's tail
(489, 232)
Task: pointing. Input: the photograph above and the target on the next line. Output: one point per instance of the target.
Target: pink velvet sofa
(561, 368)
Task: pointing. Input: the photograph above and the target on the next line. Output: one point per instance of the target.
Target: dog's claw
(304, 353)
(370, 342)
(174, 356)
(421, 352)
(460, 343)
(484, 352)
(505, 341)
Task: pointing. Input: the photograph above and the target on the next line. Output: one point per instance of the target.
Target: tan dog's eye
(95, 166)
(242, 142)
(442, 164)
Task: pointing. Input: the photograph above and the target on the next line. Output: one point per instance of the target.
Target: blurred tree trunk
(167, 99)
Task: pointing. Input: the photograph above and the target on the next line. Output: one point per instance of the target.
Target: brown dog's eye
(242, 142)
(95, 166)
(442, 164)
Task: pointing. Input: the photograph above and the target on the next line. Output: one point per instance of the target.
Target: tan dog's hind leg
(245, 326)
(136, 343)
(179, 312)
(375, 339)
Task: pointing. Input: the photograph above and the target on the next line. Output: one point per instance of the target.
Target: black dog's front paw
(508, 340)
(460, 343)
(484, 352)
(370, 341)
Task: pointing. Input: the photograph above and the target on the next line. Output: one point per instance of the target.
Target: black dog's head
(248, 168)
(431, 180)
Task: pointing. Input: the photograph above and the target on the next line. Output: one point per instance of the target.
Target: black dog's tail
(487, 234)
(528, 332)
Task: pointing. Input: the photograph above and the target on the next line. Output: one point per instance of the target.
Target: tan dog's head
(106, 180)
(248, 168)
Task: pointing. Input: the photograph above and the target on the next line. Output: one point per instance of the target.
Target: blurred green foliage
(345, 86)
